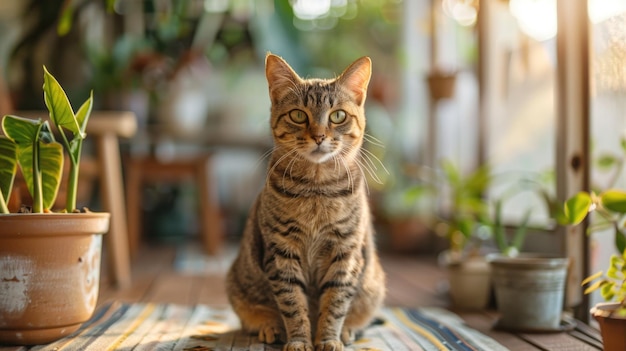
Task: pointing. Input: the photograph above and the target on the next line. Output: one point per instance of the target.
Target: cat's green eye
(298, 116)
(338, 116)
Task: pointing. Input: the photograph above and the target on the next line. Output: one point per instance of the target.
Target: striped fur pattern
(307, 273)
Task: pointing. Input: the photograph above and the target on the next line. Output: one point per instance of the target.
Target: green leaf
(620, 241)
(576, 208)
(606, 161)
(591, 278)
(23, 131)
(595, 286)
(451, 173)
(61, 112)
(8, 166)
(65, 19)
(83, 113)
(51, 169)
(607, 291)
(614, 200)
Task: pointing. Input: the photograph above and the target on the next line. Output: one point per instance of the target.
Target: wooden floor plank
(557, 342)
(484, 324)
(172, 288)
(411, 282)
(211, 290)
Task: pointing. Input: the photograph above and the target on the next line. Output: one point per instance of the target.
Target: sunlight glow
(311, 9)
(536, 18)
(462, 11)
(601, 10)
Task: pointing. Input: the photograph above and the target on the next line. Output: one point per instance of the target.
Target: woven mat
(137, 327)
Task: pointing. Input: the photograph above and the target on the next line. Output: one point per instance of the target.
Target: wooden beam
(572, 154)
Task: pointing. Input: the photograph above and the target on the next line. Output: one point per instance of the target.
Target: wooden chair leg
(209, 216)
(112, 193)
(134, 175)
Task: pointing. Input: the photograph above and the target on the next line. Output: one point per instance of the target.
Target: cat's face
(317, 119)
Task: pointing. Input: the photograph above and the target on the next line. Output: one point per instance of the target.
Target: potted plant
(49, 261)
(462, 225)
(609, 208)
(529, 287)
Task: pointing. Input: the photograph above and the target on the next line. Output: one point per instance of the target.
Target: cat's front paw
(329, 345)
(298, 346)
(271, 333)
(348, 335)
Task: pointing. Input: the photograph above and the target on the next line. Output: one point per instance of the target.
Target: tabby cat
(307, 272)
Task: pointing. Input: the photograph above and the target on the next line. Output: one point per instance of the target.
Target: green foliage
(513, 247)
(68, 123)
(39, 156)
(610, 207)
(31, 145)
(8, 168)
(467, 208)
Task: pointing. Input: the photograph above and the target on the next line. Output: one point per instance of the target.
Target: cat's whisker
(264, 157)
(281, 159)
(363, 169)
(365, 164)
(360, 165)
(371, 157)
(289, 168)
(348, 172)
(373, 140)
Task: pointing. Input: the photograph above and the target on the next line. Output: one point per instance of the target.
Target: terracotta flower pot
(612, 328)
(441, 85)
(49, 274)
(470, 284)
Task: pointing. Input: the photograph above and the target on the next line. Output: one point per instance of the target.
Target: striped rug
(160, 327)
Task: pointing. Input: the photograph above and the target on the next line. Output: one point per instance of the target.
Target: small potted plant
(609, 208)
(462, 224)
(49, 261)
(529, 287)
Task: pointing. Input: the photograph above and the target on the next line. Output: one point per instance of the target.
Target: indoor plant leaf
(83, 113)
(8, 168)
(23, 131)
(51, 170)
(576, 208)
(614, 200)
(59, 106)
(606, 161)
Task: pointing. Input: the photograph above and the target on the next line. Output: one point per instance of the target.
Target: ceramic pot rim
(529, 260)
(30, 224)
(606, 310)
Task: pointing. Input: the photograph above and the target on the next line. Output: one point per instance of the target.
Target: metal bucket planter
(49, 274)
(529, 292)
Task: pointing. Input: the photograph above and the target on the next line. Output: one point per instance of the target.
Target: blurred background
(462, 107)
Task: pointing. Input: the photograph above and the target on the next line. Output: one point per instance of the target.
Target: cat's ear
(356, 78)
(281, 78)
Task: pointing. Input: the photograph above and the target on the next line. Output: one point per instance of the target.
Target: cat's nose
(319, 138)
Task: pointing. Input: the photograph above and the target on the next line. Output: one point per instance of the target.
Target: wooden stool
(140, 171)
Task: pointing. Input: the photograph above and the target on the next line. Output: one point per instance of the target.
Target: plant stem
(3, 204)
(72, 181)
(72, 186)
(37, 186)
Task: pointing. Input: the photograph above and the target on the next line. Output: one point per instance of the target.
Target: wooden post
(572, 154)
(485, 79)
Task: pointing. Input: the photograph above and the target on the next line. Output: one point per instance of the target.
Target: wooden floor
(411, 281)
